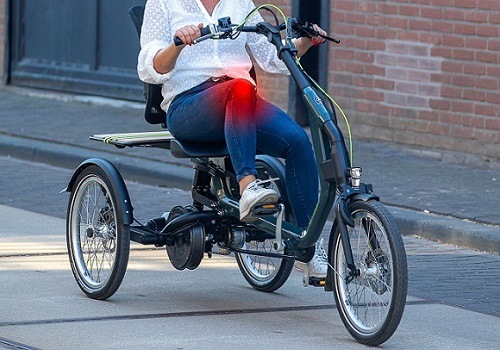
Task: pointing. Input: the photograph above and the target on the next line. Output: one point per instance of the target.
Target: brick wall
(2, 38)
(423, 73)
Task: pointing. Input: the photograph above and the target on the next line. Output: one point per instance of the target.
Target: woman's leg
(223, 111)
(280, 136)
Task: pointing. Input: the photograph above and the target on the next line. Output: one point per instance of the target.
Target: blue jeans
(231, 110)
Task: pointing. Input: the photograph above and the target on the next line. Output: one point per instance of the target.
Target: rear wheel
(371, 304)
(97, 240)
(265, 273)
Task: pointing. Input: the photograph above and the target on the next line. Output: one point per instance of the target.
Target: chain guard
(186, 248)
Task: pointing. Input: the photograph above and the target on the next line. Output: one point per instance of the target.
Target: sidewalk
(450, 203)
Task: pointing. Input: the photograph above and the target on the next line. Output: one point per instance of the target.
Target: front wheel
(98, 242)
(370, 304)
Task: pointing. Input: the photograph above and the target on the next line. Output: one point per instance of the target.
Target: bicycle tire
(98, 242)
(264, 273)
(372, 304)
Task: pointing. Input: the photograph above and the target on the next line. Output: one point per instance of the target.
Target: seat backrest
(152, 93)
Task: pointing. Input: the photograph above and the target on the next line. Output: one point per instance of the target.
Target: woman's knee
(242, 89)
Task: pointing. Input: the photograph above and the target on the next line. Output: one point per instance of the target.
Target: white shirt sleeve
(155, 35)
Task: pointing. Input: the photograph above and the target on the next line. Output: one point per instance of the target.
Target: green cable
(258, 9)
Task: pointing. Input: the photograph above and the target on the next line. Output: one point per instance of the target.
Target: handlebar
(224, 29)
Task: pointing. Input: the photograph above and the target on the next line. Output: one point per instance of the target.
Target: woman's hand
(303, 44)
(317, 40)
(188, 34)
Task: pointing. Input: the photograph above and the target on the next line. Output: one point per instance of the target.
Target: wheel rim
(261, 268)
(367, 299)
(93, 228)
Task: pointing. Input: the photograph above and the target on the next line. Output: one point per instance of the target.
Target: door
(75, 46)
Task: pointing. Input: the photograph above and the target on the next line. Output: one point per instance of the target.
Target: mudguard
(365, 197)
(118, 185)
(279, 168)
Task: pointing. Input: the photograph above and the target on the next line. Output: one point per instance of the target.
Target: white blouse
(208, 59)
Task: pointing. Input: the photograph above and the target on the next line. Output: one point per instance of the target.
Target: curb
(67, 156)
(446, 229)
(435, 227)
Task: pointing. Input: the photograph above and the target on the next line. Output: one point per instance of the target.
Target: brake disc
(186, 248)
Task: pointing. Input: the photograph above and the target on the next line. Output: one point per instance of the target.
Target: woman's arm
(165, 59)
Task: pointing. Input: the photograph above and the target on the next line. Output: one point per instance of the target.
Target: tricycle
(367, 262)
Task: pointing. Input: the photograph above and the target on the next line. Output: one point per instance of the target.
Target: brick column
(2, 38)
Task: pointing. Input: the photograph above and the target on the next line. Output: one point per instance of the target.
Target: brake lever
(205, 37)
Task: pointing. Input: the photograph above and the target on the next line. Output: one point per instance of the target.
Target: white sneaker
(318, 266)
(255, 194)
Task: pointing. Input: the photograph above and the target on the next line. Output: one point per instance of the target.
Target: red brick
(461, 80)
(489, 31)
(363, 81)
(426, 37)
(430, 12)
(488, 57)
(488, 5)
(486, 83)
(475, 16)
(463, 28)
(439, 129)
(474, 69)
(441, 52)
(440, 104)
(493, 71)
(365, 31)
(452, 92)
(476, 43)
(408, 35)
(463, 55)
(474, 95)
(412, 11)
(453, 14)
(465, 3)
(419, 24)
(398, 22)
(367, 57)
(384, 84)
(452, 40)
(384, 33)
(494, 45)
(494, 17)
(492, 124)
(493, 97)
(441, 27)
(487, 109)
(462, 107)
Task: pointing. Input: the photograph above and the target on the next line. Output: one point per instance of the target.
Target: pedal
(308, 280)
(265, 209)
(317, 282)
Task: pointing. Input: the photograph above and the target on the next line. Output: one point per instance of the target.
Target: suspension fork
(344, 219)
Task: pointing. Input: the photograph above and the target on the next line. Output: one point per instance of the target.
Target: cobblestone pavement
(438, 272)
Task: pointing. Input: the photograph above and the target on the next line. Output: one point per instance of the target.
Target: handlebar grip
(204, 31)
